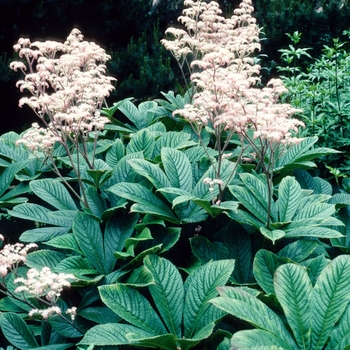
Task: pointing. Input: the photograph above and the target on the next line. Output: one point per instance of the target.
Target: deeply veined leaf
(143, 141)
(88, 234)
(288, 198)
(321, 232)
(43, 234)
(257, 187)
(258, 339)
(298, 250)
(200, 287)
(177, 168)
(249, 201)
(148, 203)
(129, 304)
(264, 266)
(35, 212)
(205, 250)
(16, 331)
(315, 266)
(329, 300)
(316, 210)
(42, 258)
(273, 235)
(167, 292)
(115, 153)
(293, 289)
(62, 327)
(99, 314)
(239, 248)
(340, 336)
(9, 173)
(150, 171)
(174, 140)
(66, 241)
(95, 201)
(250, 309)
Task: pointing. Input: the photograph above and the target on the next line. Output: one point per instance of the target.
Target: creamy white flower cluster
(225, 75)
(11, 255)
(68, 86)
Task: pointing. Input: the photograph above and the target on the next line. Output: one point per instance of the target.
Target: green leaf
(42, 258)
(35, 212)
(99, 314)
(273, 235)
(66, 241)
(205, 250)
(288, 198)
(54, 193)
(264, 267)
(43, 234)
(177, 168)
(62, 327)
(329, 300)
(293, 290)
(133, 307)
(174, 140)
(95, 201)
(112, 334)
(298, 250)
(143, 141)
(340, 336)
(200, 287)
(167, 292)
(315, 266)
(88, 234)
(115, 153)
(250, 309)
(16, 331)
(258, 339)
(147, 202)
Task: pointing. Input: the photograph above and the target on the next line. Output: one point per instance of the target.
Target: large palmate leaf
(289, 195)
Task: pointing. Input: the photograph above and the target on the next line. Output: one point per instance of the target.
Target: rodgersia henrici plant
(68, 87)
(189, 195)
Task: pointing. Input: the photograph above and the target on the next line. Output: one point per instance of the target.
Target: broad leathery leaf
(239, 247)
(247, 307)
(143, 141)
(15, 192)
(177, 168)
(77, 265)
(257, 187)
(165, 342)
(43, 234)
(249, 201)
(315, 153)
(329, 300)
(293, 290)
(112, 334)
(55, 346)
(273, 235)
(16, 331)
(150, 171)
(343, 242)
(54, 193)
(174, 140)
(315, 210)
(318, 231)
(62, 327)
(115, 153)
(140, 277)
(205, 250)
(245, 218)
(200, 287)
(340, 336)
(288, 198)
(123, 171)
(167, 292)
(35, 212)
(148, 202)
(129, 304)
(42, 258)
(315, 266)
(133, 114)
(9, 173)
(264, 266)
(100, 315)
(298, 250)
(66, 241)
(96, 203)
(88, 234)
(296, 151)
(257, 339)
